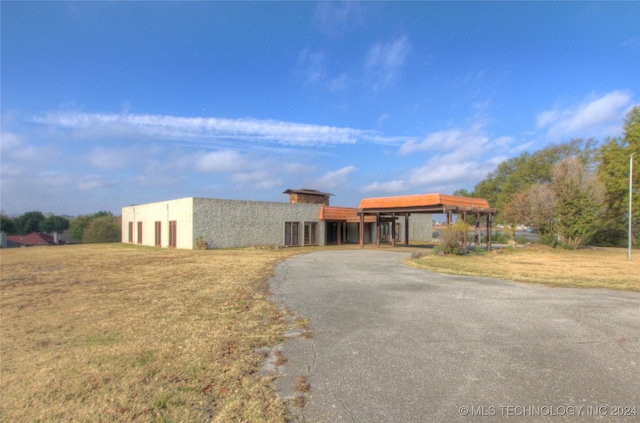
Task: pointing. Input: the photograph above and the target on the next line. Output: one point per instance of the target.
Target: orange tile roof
(341, 213)
(423, 200)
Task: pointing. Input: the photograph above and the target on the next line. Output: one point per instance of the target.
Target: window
(139, 232)
(131, 232)
(173, 234)
(310, 233)
(292, 233)
(158, 234)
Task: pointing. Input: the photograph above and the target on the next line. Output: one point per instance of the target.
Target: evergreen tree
(7, 225)
(613, 171)
(29, 222)
(54, 224)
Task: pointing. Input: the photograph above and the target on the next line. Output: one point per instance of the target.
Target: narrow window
(131, 232)
(173, 234)
(310, 233)
(292, 233)
(158, 234)
(139, 232)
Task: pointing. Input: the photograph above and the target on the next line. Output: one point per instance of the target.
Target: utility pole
(630, 205)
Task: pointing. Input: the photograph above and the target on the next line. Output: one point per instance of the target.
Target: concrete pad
(396, 344)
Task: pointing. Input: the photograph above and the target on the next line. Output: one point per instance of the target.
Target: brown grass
(600, 268)
(302, 384)
(120, 333)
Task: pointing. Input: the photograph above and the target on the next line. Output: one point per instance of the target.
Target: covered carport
(388, 209)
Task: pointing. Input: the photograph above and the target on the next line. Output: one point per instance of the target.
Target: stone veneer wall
(420, 227)
(239, 223)
(180, 210)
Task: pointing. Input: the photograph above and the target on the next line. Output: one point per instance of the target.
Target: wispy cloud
(334, 179)
(224, 161)
(311, 65)
(457, 157)
(385, 61)
(338, 18)
(596, 117)
(164, 127)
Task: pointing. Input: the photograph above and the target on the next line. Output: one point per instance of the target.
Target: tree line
(98, 227)
(572, 193)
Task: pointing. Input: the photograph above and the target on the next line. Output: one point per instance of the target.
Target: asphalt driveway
(396, 344)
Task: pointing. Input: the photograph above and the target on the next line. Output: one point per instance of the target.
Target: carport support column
(464, 235)
(489, 230)
(393, 230)
(406, 229)
(361, 230)
(378, 230)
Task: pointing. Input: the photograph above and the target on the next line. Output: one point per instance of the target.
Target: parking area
(396, 344)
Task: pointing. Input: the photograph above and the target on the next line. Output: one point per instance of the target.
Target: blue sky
(109, 104)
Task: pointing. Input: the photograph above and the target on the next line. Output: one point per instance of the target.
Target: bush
(549, 239)
(103, 229)
(201, 243)
(452, 238)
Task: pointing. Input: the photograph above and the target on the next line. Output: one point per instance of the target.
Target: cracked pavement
(393, 343)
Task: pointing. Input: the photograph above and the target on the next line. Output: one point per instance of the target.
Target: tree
(54, 224)
(535, 208)
(613, 171)
(7, 225)
(579, 201)
(518, 174)
(29, 222)
(103, 229)
(80, 223)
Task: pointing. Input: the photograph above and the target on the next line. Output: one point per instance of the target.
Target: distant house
(30, 240)
(307, 219)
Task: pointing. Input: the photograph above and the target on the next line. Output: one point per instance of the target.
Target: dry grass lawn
(599, 268)
(128, 333)
(124, 333)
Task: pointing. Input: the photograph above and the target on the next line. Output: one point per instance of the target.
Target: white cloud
(447, 140)
(337, 18)
(52, 178)
(258, 179)
(459, 157)
(12, 146)
(333, 179)
(111, 158)
(163, 127)
(597, 117)
(220, 161)
(384, 62)
(90, 182)
(394, 186)
(311, 65)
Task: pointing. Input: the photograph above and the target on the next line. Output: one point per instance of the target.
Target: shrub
(201, 243)
(452, 238)
(103, 229)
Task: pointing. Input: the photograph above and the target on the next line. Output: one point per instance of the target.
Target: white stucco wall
(180, 210)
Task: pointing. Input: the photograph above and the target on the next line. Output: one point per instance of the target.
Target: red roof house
(33, 239)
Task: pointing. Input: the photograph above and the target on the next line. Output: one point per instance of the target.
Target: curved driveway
(396, 344)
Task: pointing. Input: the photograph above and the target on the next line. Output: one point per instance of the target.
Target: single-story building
(30, 240)
(307, 219)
